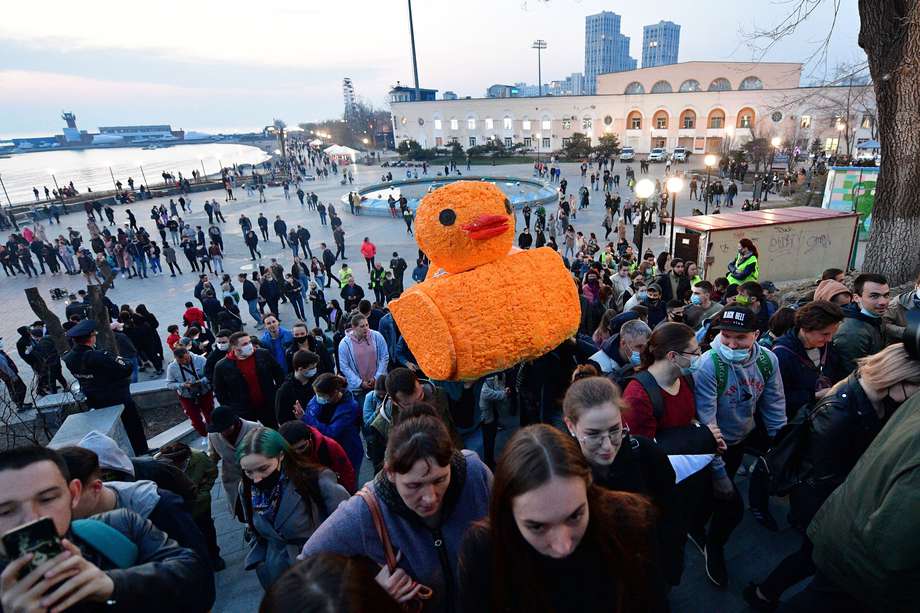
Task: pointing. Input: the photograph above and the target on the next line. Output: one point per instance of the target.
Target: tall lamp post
(674, 185)
(539, 45)
(841, 126)
(709, 161)
(643, 190)
(774, 142)
(418, 96)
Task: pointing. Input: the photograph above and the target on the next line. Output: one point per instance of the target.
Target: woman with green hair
(285, 499)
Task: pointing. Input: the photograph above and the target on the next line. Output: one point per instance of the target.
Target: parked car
(680, 154)
(627, 154)
(657, 155)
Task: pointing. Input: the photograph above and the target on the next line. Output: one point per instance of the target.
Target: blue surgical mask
(642, 295)
(635, 358)
(869, 313)
(695, 363)
(734, 355)
(695, 299)
(321, 400)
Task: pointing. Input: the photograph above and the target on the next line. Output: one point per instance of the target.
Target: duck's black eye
(507, 206)
(447, 217)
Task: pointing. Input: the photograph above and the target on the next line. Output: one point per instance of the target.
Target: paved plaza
(165, 296)
(752, 552)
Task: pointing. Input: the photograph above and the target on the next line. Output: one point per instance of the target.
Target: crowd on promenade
(625, 443)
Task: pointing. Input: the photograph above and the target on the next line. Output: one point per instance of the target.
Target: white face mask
(223, 346)
(247, 350)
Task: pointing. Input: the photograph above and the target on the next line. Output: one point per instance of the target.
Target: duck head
(464, 225)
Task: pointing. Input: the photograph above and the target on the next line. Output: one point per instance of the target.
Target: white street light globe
(645, 188)
(775, 141)
(710, 160)
(675, 184)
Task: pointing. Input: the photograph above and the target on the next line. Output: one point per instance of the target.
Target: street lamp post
(539, 45)
(418, 96)
(674, 184)
(114, 182)
(10, 203)
(709, 161)
(144, 177)
(840, 128)
(643, 190)
(774, 142)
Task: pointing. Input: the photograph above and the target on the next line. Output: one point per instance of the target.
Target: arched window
(634, 121)
(720, 85)
(751, 83)
(687, 120)
(716, 119)
(634, 88)
(662, 87)
(745, 118)
(660, 120)
(690, 85)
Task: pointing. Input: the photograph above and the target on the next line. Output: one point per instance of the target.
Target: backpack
(687, 440)
(107, 541)
(764, 365)
(783, 462)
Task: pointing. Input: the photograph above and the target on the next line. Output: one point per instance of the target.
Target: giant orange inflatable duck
(485, 305)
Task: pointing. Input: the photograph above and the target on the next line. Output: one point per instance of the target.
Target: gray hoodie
(745, 393)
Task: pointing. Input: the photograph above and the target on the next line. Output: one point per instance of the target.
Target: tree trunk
(51, 321)
(105, 338)
(890, 36)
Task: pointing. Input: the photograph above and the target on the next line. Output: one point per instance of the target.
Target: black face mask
(268, 483)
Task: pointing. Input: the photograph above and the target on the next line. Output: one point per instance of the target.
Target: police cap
(84, 328)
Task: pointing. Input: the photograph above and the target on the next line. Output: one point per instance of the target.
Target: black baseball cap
(736, 319)
(222, 418)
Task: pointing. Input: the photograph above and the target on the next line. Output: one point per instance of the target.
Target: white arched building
(702, 106)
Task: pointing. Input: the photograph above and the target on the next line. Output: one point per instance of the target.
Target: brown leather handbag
(418, 603)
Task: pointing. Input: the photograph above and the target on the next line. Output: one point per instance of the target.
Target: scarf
(266, 504)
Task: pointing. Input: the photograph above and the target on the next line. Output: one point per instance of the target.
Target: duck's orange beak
(486, 226)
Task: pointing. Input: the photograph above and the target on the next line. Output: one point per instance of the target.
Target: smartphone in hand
(38, 537)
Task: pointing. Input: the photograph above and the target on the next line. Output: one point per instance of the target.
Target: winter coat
(231, 389)
(800, 375)
(865, 536)
(896, 316)
(230, 471)
(840, 428)
(428, 555)
(340, 422)
(859, 336)
(277, 542)
(165, 576)
(348, 366)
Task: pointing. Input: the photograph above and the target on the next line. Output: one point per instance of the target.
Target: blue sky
(229, 64)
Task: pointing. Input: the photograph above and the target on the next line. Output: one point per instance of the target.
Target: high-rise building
(606, 49)
(660, 42)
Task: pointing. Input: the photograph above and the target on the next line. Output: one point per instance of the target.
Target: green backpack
(764, 365)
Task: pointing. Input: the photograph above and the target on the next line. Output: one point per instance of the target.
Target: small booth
(341, 154)
(793, 243)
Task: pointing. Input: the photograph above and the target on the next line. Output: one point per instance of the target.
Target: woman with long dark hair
(556, 542)
(285, 498)
(425, 498)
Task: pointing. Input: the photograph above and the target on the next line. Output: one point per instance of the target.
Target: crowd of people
(624, 444)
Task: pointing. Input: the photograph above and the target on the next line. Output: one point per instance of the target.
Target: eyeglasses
(696, 353)
(593, 441)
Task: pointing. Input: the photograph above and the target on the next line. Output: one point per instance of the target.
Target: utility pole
(539, 45)
(418, 96)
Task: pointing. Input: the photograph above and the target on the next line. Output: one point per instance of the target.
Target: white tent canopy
(316, 142)
(340, 151)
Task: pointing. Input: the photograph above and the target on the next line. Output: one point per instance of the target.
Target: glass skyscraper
(660, 42)
(606, 49)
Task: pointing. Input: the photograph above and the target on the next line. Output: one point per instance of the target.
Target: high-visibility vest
(751, 259)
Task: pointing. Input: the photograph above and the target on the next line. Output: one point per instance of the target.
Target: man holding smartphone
(34, 483)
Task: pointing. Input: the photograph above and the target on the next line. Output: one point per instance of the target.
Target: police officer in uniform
(105, 379)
